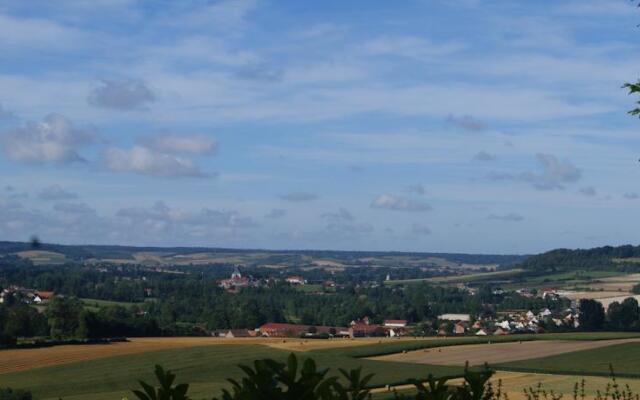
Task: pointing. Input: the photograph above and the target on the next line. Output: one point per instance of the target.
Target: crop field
(206, 368)
(494, 353)
(109, 371)
(24, 359)
(624, 358)
(41, 257)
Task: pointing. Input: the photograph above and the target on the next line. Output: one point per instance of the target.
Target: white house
(455, 317)
(395, 323)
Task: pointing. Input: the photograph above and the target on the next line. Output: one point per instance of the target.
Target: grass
(381, 349)
(622, 357)
(95, 304)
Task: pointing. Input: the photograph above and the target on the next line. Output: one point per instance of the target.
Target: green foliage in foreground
(10, 394)
(273, 380)
(633, 89)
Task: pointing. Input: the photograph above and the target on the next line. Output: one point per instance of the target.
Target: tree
(25, 321)
(591, 315)
(634, 88)
(63, 314)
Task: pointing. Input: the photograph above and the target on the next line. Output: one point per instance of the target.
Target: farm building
(455, 317)
(296, 280)
(395, 323)
(275, 329)
(239, 333)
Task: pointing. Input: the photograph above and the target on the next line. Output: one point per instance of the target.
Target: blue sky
(458, 126)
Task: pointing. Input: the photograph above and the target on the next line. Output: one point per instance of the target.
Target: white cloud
(323, 30)
(417, 189)
(467, 122)
(124, 95)
(343, 223)
(410, 46)
(276, 213)
(554, 175)
(588, 191)
(22, 33)
(420, 230)
(398, 203)
(631, 196)
(55, 193)
(145, 161)
(175, 143)
(340, 216)
(298, 197)
(511, 217)
(5, 114)
(53, 140)
(484, 156)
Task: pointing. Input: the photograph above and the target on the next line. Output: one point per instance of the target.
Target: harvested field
(477, 354)
(24, 359)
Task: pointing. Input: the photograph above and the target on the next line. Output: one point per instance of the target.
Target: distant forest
(620, 258)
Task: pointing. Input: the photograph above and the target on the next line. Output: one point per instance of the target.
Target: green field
(206, 368)
(563, 279)
(624, 358)
(466, 278)
(96, 304)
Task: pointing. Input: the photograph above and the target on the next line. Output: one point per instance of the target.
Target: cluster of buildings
(510, 323)
(238, 281)
(357, 328)
(29, 296)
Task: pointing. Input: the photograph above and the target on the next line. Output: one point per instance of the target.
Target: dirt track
(477, 354)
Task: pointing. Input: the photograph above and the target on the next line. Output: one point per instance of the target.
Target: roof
(239, 332)
(365, 328)
(44, 294)
(283, 327)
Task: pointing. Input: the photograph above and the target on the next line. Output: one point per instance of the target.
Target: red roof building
(276, 329)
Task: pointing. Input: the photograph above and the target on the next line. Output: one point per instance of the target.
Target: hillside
(251, 257)
(620, 258)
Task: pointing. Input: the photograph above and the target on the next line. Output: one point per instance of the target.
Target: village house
(395, 323)
(459, 329)
(501, 332)
(239, 333)
(296, 280)
(455, 317)
(42, 296)
(276, 329)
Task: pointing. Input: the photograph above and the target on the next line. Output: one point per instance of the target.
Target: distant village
(448, 324)
(516, 322)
